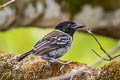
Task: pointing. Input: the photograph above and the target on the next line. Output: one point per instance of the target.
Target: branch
(7, 3)
(37, 69)
(78, 70)
(33, 69)
(106, 54)
(112, 51)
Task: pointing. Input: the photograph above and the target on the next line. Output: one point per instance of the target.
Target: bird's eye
(69, 29)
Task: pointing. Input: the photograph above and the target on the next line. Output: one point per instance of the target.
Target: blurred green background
(20, 40)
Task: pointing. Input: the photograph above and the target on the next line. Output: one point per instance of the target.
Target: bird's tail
(24, 55)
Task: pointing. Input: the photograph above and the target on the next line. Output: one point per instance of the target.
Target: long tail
(24, 55)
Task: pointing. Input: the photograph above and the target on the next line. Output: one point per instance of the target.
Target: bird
(55, 44)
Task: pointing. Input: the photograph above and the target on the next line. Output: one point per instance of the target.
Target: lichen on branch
(38, 69)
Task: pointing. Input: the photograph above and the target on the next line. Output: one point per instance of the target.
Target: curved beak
(79, 26)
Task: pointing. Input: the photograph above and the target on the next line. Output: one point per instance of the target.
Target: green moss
(32, 71)
(7, 77)
(110, 71)
(5, 68)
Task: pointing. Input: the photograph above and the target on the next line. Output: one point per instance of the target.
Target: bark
(37, 69)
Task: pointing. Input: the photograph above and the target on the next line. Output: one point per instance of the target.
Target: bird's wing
(52, 41)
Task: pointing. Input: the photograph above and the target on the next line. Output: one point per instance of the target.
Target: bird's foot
(61, 62)
(64, 63)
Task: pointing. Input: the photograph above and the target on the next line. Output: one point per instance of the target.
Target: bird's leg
(64, 63)
(49, 60)
(61, 62)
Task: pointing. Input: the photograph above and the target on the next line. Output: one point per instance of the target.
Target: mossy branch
(37, 69)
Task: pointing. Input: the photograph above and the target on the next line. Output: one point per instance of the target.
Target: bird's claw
(64, 63)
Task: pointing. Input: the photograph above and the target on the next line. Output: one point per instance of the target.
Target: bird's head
(69, 27)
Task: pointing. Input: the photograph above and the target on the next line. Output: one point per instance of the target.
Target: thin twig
(112, 51)
(7, 3)
(99, 55)
(107, 54)
(89, 31)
